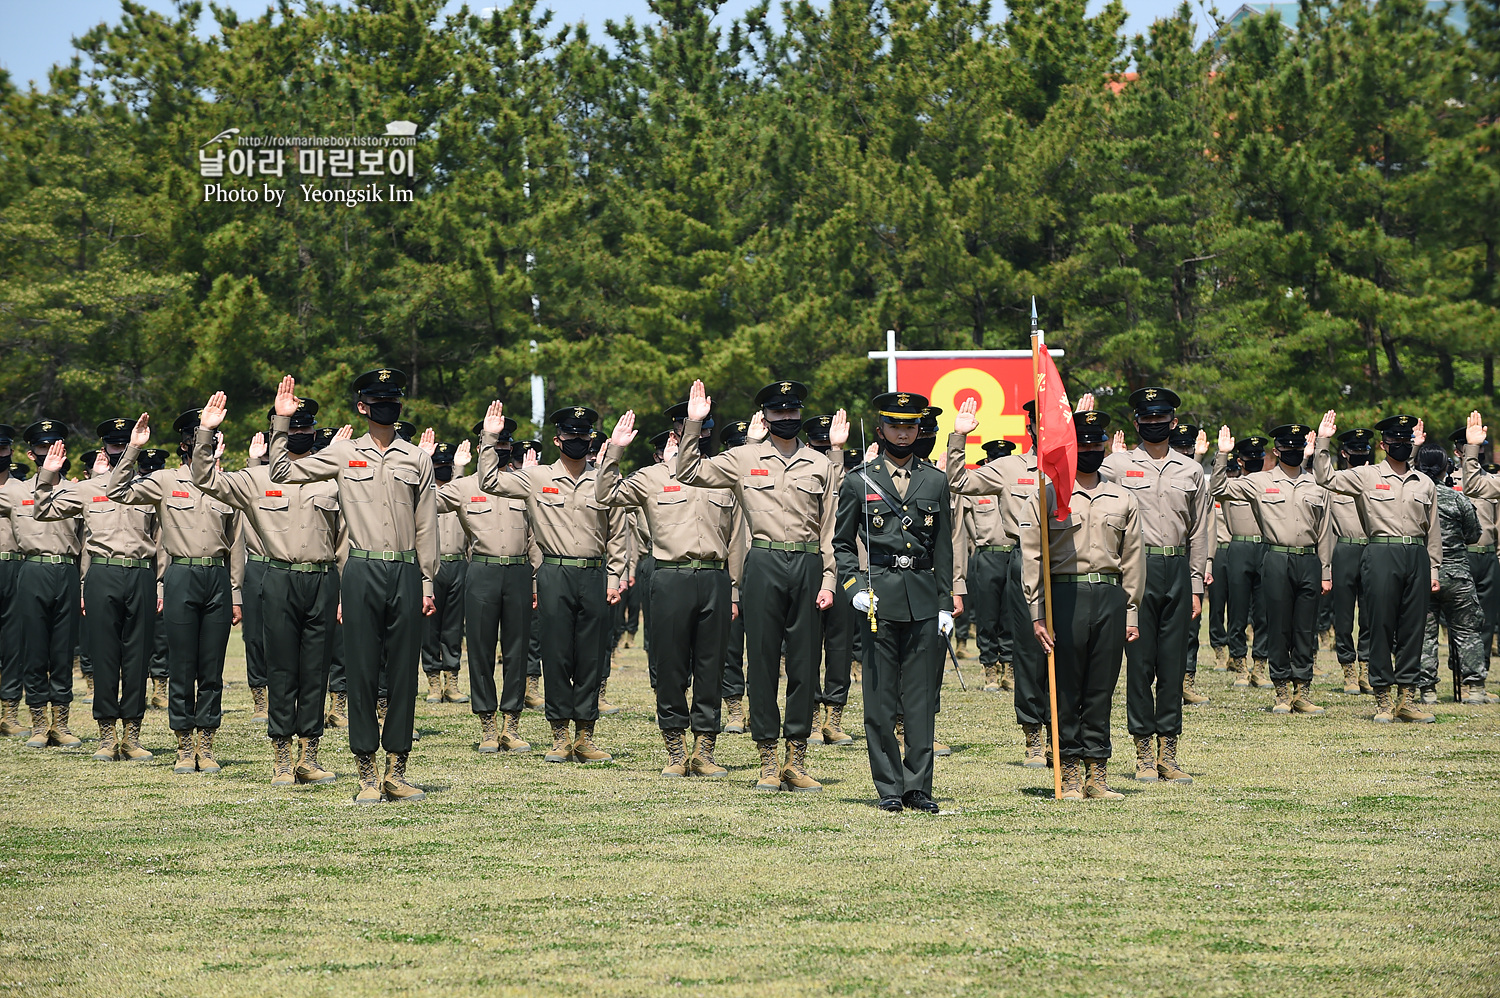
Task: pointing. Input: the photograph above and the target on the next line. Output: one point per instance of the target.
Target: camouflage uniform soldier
(1480, 485)
(1455, 603)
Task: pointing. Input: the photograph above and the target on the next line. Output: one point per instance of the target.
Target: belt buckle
(1093, 577)
(1408, 540)
(903, 561)
(387, 556)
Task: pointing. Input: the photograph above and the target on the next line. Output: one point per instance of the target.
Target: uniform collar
(768, 451)
(399, 445)
(560, 473)
(1386, 471)
(1138, 454)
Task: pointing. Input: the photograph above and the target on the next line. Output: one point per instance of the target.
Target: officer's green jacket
(902, 593)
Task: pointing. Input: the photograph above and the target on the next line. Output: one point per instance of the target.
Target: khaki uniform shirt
(792, 499)
(453, 541)
(1289, 510)
(567, 518)
(298, 524)
(8, 532)
(1013, 478)
(111, 529)
(193, 524)
(1483, 490)
(1390, 504)
(35, 535)
(497, 527)
(1346, 521)
(1175, 507)
(1101, 534)
(1239, 517)
(387, 497)
(683, 523)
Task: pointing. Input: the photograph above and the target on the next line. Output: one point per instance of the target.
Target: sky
(38, 35)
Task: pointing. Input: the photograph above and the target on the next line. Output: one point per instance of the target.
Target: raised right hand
(214, 411)
(140, 436)
(624, 431)
(1329, 426)
(699, 403)
(1476, 431)
(965, 421)
(57, 456)
(1226, 440)
(494, 418)
(286, 397)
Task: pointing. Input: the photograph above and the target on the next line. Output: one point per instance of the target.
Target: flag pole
(1042, 518)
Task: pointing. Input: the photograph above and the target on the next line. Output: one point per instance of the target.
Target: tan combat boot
(369, 784)
(490, 733)
(1325, 639)
(434, 687)
(794, 775)
(939, 749)
(1475, 693)
(39, 727)
(770, 774)
(562, 746)
(1429, 694)
(338, 710)
(1385, 710)
(1007, 676)
(88, 688)
(992, 678)
(1036, 747)
(1364, 679)
(534, 699)
(606, 709)
(815, 736)
(1145, 761)
(185, 761)
(962, 649)
(1240, 671)
(109, 746)
(1351, 678)
(510, 736)
(677, 764)
(281, 763)
(394, 784)
(1190, 694)
(10, 719)
(584, 749)
(59, 734)
(308, 770)
(1167, 768)
(451, 692)
(204, 756)
(1406, 707)
(132, 749)
(1221, 658)
(833, 727)
(260, 697)
(701, 762)
(1283, 704)
(734, 724)
(1096, 787)
(158, 694)
(1302, 700)
(1072, 779)
(382, 705)
(1259, 672)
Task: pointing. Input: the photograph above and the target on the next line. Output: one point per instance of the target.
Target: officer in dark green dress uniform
(899, 508)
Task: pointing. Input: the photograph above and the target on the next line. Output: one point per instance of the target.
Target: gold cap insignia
(578, 411)
(119, 424)
(385, 375)
(1150, 394)
(903, 398)
(786, 388)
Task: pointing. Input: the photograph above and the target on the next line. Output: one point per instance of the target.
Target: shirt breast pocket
(273, 510)
(672, 506)
(357, 485)
(407, 482)
(327, 508)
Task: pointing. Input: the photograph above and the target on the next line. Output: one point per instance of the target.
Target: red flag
(1057, 443)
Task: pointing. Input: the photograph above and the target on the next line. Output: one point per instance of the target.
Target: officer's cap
(115, 431)
(386, 383)
(7, 434)
(1184, 435)
(505, 430)
(929, 420)
(578, 419)
(900, 408)
(405, 430)
(781, 395)
(1491, 467)
(596, 441)
(998, 448)
(1460, 436)
(305, 416)
(735, 433)
(442, 454)
(659, 442)
(1154, 401)
(188, 421)
(1252, 447)
(151, 459)
(1397, 427)
(1356, 440)
(87, 457)
(45, 433)
(19, 470)
(679, 412)
(1030, 409)
(1291, 434)
(1091, 427)
(817, 427)
(323, 438)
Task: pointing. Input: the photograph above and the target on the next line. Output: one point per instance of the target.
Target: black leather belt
(900, 561)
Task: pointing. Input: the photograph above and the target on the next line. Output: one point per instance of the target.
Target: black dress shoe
(891, 804)
(918, 800)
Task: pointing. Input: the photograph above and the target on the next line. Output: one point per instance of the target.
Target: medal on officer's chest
(927, 521)
(878, 520)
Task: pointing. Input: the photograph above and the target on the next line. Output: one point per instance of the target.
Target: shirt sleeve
(128, 487)
(1031, 559)
(1133, 566)
(715, 472)
(1346, 482)
(235, 487)
(979, 482)
(316, 467)
(55, 503)
(426, 525)
(613, 490)
(1434, 536)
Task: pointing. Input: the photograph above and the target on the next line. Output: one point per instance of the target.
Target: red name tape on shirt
(180, 495)
(983, 502)
(101, 498)
(1135, 474)
(671, 488)
(273, 493)
(760, 471)
(28, 502)
(1273, 492)
(1383, 487)
(476, 498)
(548, 490)
(872, 497)
(1025, 481)
(359, 464)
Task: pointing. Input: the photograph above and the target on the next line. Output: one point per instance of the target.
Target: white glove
(945, 622)
(864, 600)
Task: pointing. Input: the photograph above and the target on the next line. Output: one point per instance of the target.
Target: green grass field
(1313, 856)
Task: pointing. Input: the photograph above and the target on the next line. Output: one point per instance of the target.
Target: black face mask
(1357, 460)
(385, 413)
(576, 449)
(821, 446)
(503, 453)
(923, 446)
(706, 446)
(300, 443)
(1398, 450)
(901, 451)
(1154, 433)
(1090, 460)
(442, 472)
(5, 465)
(1290, 458)
(114, 459)
(786, 429)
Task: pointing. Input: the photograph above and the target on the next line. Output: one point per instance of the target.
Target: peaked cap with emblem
(1154, 401)
(1359, 439)
(1397, 427)
(46, 432)
(678, 414)
(998, 448)
(151, 459)
(1091, 427)
(1184, 435)
(1251, 447)
(1460, 436)
(188, 421)
(900, 408)
(506, 429)
(579, 419)
(442, 454)
(87, 460)
(781, 395)
(1291, 434)
(406, 430)
(305, 416)
(115, 431)
(323, 438)
(7, 433)
(735, 433)
(816, 427)
(659, 442)
(385, 383)
(928, 425)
